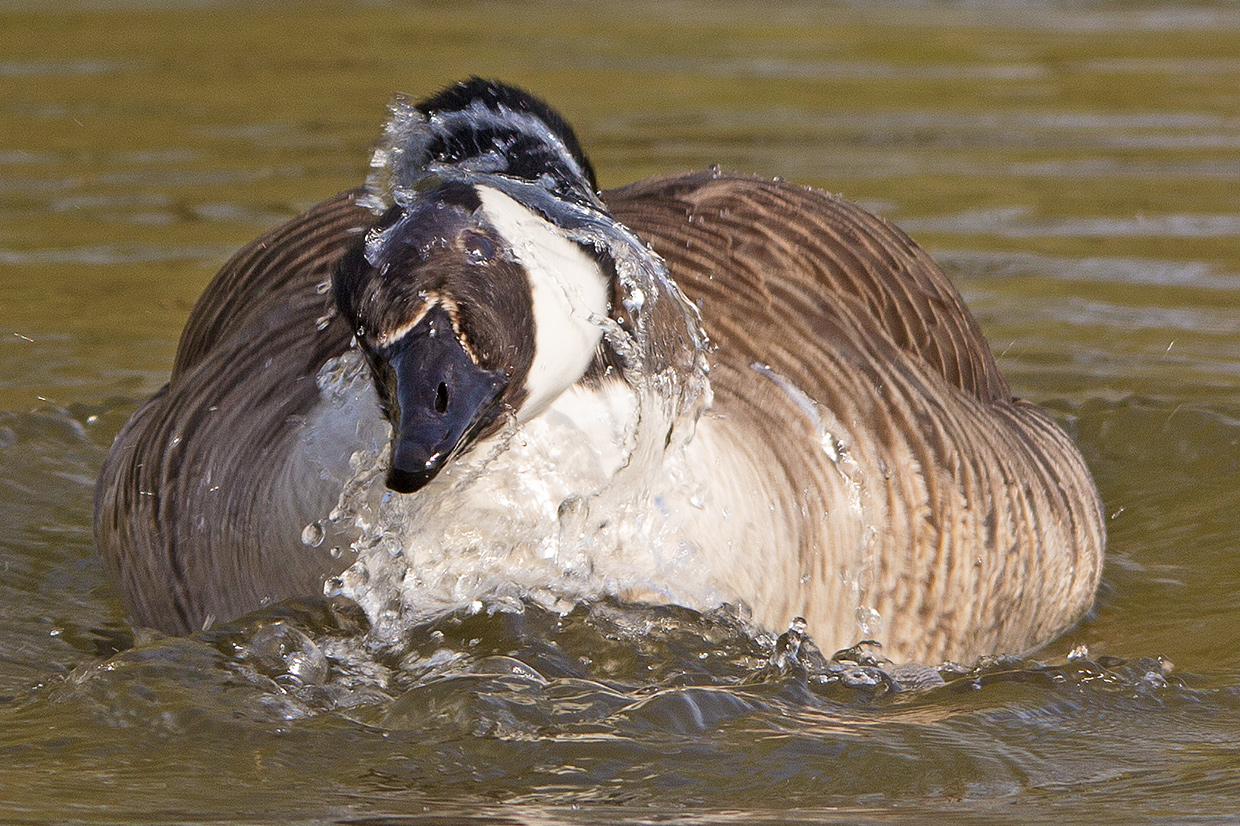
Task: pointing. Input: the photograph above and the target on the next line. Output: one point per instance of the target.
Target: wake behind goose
(478, 378)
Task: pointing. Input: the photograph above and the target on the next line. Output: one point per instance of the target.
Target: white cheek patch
(568, 291)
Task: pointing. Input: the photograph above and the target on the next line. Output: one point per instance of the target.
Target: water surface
(1075, 168)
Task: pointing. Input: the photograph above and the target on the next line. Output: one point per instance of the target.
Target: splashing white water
(569, 506)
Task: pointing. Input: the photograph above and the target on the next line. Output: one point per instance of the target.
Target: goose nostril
(441, 398)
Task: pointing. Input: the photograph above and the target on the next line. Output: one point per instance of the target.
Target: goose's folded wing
(192, 504)
(802, 259)
(291, 264)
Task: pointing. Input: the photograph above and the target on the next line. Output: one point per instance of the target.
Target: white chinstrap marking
(568, 292)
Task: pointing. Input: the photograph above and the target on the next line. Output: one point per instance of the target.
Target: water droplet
(312, 535)
(478, 248)
(335, 552)
(635, 300)
(869, 620)
(788, 646)
(570, 507)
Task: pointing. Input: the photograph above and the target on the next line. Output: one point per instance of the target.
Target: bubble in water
(571, 507)
(312, 535)
(861, 677)
(285, 653)
(788, 646)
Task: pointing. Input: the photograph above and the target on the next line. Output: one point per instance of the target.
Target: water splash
(835, 442)
(557, 510)
(566, 506)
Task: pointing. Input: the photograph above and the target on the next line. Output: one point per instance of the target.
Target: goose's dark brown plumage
(906, 481)
(183, 509)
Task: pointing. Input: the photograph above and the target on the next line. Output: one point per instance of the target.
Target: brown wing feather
(979, 529)
(809, 258)
(185, 528)
(278, 268)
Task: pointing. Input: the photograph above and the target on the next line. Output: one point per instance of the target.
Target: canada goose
(807, 420)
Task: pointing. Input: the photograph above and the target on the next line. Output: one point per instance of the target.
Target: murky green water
(1074, 166)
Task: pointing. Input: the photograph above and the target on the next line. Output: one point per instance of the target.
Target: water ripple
(115, 254)
(58, 68)
(1021, 222)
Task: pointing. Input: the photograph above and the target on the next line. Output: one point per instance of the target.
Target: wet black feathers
(472, 137)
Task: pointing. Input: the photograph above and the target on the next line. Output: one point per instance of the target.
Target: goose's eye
(479, 248)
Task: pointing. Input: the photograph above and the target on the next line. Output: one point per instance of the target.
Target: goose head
(469, 296)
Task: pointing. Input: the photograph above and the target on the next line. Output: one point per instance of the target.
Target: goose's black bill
(438, 400)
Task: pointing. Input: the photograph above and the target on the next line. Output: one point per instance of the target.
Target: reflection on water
(1074, 168)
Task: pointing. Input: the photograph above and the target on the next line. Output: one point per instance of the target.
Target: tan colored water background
(1075, 166)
